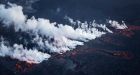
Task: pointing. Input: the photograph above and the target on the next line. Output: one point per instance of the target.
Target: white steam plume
(14, 15)
(22, 54)
(116, 25)
(65, 36)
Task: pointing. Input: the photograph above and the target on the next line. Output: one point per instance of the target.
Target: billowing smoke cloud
(51, 36)
(22, 54)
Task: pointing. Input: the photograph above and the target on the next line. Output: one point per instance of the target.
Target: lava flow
(128, 32)
(23, 66)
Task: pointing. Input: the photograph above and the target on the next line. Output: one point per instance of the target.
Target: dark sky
(127, 10)
(85, 10)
